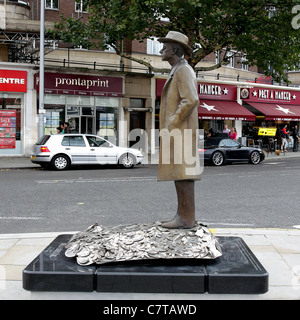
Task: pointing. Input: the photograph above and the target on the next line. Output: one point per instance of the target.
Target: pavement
(278, 250)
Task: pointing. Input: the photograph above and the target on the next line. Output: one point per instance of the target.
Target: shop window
(54, 116)
(55, 99)
(87, 111)
(80, 100)
(107, 123)
(107, 102)
(11, 106)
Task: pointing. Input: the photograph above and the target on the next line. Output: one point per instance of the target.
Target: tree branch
(141, 61)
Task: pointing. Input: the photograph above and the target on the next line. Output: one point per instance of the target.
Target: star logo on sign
(208, 108)
(225, 91)
(254, 93)
(294, 97)
(285, 110)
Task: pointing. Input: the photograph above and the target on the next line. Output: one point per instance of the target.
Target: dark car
(220, 150)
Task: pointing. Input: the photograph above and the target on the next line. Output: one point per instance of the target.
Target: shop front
(13, 88)
(274, 108)
(218, 107)
(90, 104)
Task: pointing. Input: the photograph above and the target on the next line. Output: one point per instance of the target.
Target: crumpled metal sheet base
(101, 244)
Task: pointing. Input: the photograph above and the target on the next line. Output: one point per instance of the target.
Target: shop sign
(267, 131)
(13, 81)
(270, 95)
(7, 129)
(72, 84)
(211, 91)
(215, 91)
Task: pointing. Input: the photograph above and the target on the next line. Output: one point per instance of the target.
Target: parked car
(220, 150)
(60, 151)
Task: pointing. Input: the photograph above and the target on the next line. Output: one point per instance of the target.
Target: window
(228, 143)
(81, 6)
(230, 57)
(244, 63)
(52, 4)
(217, 57)
(153, 46)
(73, 141)
(97, 142)
(137, 103)
(43, 140)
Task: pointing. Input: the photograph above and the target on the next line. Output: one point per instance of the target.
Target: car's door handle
(92, 149)
(67, 148)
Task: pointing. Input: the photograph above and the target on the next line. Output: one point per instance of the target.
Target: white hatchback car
(63, 150)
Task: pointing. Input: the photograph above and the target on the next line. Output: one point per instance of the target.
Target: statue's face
(166, 52)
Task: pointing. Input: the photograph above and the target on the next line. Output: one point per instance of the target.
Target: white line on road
(21, 218)
(129, 179)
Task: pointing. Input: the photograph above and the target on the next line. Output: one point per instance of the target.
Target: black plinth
(53, 271)
(236, 271)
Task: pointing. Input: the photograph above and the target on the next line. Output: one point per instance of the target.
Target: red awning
(223, 110)
(274, 111)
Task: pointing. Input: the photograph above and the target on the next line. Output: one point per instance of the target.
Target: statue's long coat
(178, 157)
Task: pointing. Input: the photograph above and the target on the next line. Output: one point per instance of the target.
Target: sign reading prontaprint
(13, 81)
(78, 84)
(7, 129)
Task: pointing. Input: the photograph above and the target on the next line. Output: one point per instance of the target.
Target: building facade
(97, 91)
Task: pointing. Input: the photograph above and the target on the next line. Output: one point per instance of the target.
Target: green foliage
(248, 26)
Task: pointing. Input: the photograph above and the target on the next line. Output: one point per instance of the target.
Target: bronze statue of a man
(178, 157)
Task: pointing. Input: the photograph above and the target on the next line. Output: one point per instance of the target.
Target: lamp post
(41, 75)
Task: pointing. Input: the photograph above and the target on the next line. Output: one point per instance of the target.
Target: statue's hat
(177, 37)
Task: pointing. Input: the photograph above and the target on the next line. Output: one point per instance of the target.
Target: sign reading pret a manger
(75, 84)
(270, 95)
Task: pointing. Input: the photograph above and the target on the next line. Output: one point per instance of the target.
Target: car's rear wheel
(127, 160)
(60, 162)
(217, 158)
(255, 157)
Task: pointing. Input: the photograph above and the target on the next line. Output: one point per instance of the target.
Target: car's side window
(76, 141)
(228, 143)
(73, 141)
(65, 141)
(97, 142)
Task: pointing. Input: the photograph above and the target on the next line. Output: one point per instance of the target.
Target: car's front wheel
(217, 158)
(60, 162)
(127, 160)
(255, 157)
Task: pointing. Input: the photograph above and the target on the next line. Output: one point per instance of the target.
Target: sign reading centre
(74, 84)
(13, 81)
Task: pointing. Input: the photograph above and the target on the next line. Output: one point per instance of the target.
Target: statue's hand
(173, 123)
